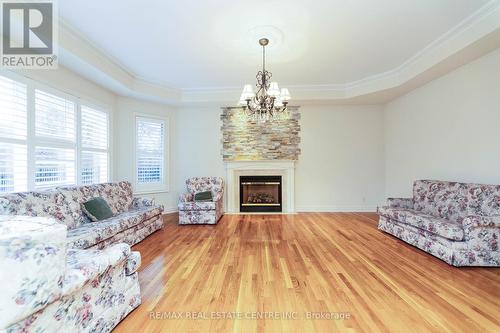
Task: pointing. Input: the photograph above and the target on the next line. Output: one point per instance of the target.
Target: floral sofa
(456, 222)
(191, 212)
(134, 218)
(45, 286)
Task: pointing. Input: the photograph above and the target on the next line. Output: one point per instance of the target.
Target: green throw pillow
(97, 209)
(203, 196)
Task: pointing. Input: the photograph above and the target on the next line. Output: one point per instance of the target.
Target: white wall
(199, 144)
(448, 129)
(69, 82)
(340, 168)
(124, 164)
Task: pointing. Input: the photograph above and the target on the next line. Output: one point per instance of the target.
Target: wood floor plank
(292, 265)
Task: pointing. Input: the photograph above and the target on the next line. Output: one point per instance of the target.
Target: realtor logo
(29, 32)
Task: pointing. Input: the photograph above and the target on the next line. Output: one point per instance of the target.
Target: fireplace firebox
(260, 194)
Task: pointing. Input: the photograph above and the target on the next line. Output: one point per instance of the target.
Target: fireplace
(260, 194)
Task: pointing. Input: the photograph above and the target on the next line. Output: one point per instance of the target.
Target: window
(150, 153)
(49, 139)
(13, 136)
(55, 129)
(94, 168)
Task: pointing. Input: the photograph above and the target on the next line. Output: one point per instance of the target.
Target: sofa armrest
(405, 203)
(186, 197)
(143, 202)
(475, 221)
(85, 265)
(482, 232)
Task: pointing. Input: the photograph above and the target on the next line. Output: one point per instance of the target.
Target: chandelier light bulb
(285, 94)
(247, 92)
(274, 90)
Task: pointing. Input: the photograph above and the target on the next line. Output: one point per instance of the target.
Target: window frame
(33, 141)
(160, 187)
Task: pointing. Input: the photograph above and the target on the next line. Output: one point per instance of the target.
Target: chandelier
(269, 102)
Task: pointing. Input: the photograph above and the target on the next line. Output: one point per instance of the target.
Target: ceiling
(198, 45)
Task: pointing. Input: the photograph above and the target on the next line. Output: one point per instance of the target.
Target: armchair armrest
(218, 196)
(406, 203)
(186, 197)
(143, 202)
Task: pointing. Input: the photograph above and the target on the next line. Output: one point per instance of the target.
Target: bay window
(49, 138)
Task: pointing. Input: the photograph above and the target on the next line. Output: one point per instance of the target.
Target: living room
(256, 167)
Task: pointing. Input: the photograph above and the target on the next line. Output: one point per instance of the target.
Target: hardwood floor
(329, 263)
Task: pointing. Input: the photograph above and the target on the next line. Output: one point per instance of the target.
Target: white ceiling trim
(81, 55)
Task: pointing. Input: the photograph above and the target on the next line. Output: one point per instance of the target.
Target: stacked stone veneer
(245, 140)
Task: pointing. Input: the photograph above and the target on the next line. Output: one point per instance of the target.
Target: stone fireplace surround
(283, 168)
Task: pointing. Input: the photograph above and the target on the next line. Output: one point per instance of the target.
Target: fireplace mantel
(284, 168)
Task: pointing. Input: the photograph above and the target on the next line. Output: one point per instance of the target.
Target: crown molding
(473, 37)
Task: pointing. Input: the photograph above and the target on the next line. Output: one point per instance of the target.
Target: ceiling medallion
(269, 102)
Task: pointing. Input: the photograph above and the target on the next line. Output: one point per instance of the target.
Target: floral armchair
(205, 212)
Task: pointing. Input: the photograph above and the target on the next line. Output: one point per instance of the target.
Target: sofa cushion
(74, 197)
(134, 234)
(43, 204)
(97, 209)
(203, 196)
(199, 184)
(118, 196)
(444, 228)
(197, 205)
(89, 234)
(446, 200)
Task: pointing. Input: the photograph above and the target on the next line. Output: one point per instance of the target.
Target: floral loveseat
(191, 212)
(134, 218)
(456, 222)
(47, 287)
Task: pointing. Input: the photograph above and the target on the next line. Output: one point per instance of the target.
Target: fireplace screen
(260, 194)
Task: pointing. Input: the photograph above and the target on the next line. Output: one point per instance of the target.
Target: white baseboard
(337, 208)
(168, 210)
(306, 209)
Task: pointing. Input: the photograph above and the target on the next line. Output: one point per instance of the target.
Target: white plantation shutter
(54, 117)
(94, 128)
(49, 139)
(94, 165)
(13, 113)
(150, 150)
(13, 167)
(13, 136)
(55, 151)
(54, 167)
